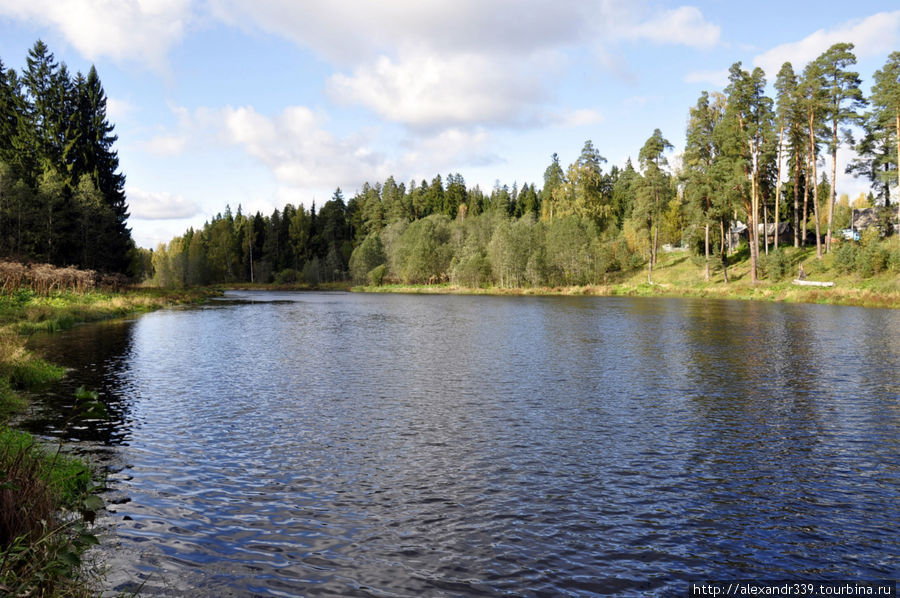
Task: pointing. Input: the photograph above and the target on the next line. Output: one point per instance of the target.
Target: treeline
(62, 198)
(748, 157)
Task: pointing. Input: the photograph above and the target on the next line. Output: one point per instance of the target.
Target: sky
(258, 104)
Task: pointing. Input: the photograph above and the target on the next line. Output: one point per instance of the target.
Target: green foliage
(10, 401)
(59, 178)
(512, 243)
(845, 258)
(313, 271)
(288, 276)
(893, 260)
(841, 215)
(569, 256)
(423, 250)
(88, 404)
(40, 553)
(843, 98)
(375, 276)
(366, 257)
(583, 224)
(33, 372)
(776, 264)
(22, 295)
(471, 270)
(872, 258)
(616, 256)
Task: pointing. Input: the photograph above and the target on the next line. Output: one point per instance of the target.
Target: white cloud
(427, 65)
(718, 78)
(267, 205)
(684, 25)
(847, 183)
(581, 118)
(139, 30)
(428, 90)
(874, 35)
(298, 150)
(641, 101)
(194, 129)
(450, 63)
(306, 160)
(349, 32)
(445, 150)
(159, 205)
(117, 110)
(166, 145)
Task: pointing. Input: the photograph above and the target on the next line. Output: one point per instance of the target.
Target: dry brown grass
(44, 279)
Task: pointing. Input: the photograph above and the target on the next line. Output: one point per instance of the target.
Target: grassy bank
(681, 275)
(297, 286)
(23, 312)
(46, 503)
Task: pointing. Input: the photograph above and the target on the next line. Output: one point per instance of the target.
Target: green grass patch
(67, 478)
(33, 372)
(11, 402)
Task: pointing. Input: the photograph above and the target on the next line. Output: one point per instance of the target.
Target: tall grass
(20, 367)
(45, 507)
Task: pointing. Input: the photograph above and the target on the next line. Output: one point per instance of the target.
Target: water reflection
(354, 445)
(95, 355)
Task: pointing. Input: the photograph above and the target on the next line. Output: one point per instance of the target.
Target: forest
(748, 158)
(62, 197)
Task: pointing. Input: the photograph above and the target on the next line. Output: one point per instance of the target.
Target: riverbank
(295, 286)
(46, 499)
(23, 312)
(679, 275)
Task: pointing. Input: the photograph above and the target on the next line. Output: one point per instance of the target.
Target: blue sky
(262, 103)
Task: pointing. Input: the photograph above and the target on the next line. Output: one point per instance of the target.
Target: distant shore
(783, 291)
(679, 275)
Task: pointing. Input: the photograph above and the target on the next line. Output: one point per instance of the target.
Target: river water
(331, 444)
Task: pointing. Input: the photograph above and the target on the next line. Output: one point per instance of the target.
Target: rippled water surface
(283, 444)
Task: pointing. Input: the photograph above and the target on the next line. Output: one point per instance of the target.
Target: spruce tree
(9, 111)
(96, 158)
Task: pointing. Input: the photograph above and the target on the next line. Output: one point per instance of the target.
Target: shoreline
(679, 274)
(50, 494)
(882, 292)
(768, 292)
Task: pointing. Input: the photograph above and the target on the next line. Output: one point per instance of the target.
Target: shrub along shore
(678, 274)
(46, 496)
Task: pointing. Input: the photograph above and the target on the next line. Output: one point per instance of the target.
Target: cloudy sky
(262, 103)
